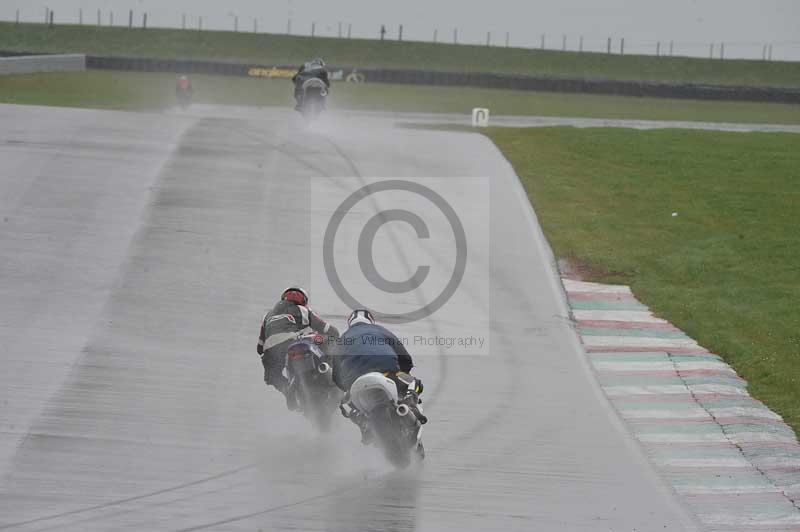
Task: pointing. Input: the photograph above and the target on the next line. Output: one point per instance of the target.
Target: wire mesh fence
(765, 50)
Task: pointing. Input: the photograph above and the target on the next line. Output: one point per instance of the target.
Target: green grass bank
(153, 91)
(284, 49)
(725, 269)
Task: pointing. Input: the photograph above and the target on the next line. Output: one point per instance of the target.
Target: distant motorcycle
(310, 379)
(396, 422)
(314, 95)
(183, 92)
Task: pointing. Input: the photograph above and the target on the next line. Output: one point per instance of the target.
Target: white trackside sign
(480, 117)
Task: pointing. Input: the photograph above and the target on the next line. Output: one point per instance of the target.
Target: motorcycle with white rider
(372, 366)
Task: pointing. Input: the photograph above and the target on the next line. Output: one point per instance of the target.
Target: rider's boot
(291, 400)
(290, 391)
(282, 385)
(412, 400)
(367, 436)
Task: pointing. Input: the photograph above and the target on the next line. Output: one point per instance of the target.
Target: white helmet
(360, 316)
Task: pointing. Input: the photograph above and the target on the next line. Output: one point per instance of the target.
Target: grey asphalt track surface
(138, 253)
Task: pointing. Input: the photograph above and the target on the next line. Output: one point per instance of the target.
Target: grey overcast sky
(743, 25)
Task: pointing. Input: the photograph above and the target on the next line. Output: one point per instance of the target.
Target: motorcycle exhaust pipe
(403, 410)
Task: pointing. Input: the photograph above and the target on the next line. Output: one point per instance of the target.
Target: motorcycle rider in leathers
(313, 69)
(288, 318)
(366, 347)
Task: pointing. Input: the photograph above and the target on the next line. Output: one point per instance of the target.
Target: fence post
(658, 49)
(722, 50)
(98, 17)
(580, 44)
(183, 21)
(144, 20)
(711, 51)
(622, 46)
(80, 17)
(289, 27)
(455, 36)
(17, 17)
(670, 48)
(400, 33)
(488, 38)
(542, 43)
(255, 25)
(130, 18)
(51, 18)
(770, 52)
(608, 46)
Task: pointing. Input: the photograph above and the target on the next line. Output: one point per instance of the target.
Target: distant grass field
(726, 270)
(282, 49)
(142, 91)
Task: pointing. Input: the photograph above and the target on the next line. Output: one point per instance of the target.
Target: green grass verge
(134, 90)
(284, 49)
(725, 270)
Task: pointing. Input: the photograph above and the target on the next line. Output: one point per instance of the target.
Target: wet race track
(138, 254)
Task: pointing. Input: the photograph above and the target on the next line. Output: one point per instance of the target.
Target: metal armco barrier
(460, 79)
(34, 64)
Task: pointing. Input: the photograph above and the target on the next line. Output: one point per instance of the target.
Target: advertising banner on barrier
(274, 72)
(348, 75)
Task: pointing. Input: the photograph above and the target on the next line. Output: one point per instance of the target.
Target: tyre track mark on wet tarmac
(501, 472)
(488, 421)
(283, 149)
(127, 500)
(228, 473)
(494, 416)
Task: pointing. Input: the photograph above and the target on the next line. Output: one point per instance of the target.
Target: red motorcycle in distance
(183, 91)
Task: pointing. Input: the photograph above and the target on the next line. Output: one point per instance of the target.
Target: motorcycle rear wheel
(391, 438)
(311, 109)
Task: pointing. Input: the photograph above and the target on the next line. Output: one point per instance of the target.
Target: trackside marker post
(480, 117)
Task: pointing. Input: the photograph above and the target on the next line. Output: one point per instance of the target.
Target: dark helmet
(295, 294)
(360, 316)
(318, 61)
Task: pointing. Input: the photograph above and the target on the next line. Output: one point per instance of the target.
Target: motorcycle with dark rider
(314, 94)
(310, 380)
(311, 88)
